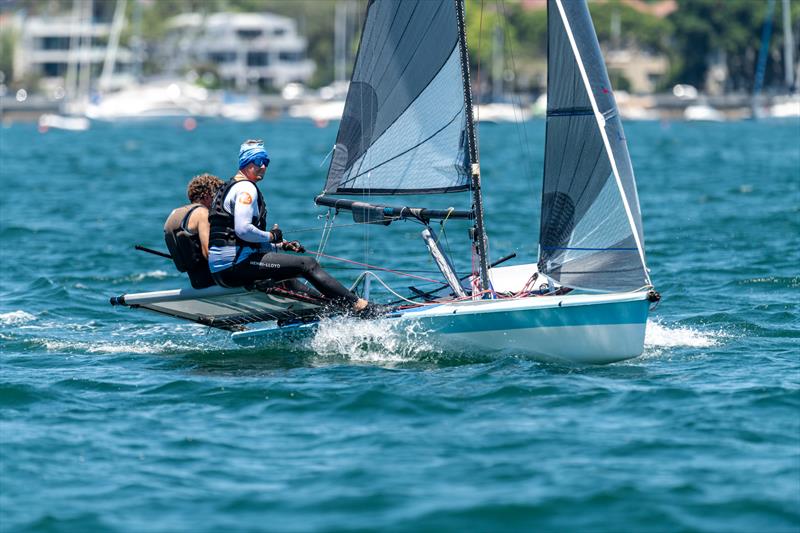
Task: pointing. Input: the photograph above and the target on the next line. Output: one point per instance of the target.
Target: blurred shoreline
(663, 106)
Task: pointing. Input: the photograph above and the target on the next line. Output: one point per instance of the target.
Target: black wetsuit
(261, 260)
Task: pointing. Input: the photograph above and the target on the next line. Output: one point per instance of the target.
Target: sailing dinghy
(408, 128)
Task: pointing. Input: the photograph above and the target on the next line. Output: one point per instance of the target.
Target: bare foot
(360, 305)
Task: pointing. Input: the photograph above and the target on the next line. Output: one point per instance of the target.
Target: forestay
(591, 229)
(404, 122)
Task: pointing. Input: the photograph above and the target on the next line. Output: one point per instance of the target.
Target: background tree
(728, 29)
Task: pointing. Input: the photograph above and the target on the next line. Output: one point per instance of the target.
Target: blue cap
(251, 150)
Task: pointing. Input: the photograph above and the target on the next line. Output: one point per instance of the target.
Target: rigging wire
(420, 270)
(477, 121)
(520, 124)
(384, 269)
(325, 233)
(308, 229)
(389, 289)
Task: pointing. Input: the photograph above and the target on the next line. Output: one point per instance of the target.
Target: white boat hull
(582, 329)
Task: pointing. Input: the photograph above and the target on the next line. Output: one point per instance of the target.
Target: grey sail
(591, 229)
(403, 130)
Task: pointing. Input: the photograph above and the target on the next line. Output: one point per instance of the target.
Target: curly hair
(202, 185)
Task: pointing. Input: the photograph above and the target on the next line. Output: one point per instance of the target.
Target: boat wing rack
(367, 213)
(224, 308)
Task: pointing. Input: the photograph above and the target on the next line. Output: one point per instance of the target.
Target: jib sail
(591, 228)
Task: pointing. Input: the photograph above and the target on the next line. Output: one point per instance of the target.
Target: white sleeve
(245, 208)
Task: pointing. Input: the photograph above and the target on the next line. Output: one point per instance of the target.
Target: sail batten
(404, 122)
(591, 232)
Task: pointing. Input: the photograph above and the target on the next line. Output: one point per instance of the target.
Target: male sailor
(242, 251)
(186, 231)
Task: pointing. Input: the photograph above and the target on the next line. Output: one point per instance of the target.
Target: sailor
(242, 251)
(186, 231)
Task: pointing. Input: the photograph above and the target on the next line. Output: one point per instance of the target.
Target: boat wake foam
(132, 347)
(661, 335)
(89, 338)
(370, 341)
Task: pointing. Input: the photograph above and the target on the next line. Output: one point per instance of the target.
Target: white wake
(664, 336)
(370, 341)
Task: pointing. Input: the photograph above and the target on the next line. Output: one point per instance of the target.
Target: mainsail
(404, 127)
(591, 228)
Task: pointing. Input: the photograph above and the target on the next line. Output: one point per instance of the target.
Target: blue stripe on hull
(579, 315)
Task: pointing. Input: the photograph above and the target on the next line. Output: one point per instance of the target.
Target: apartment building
(49, 46)
(245, 48)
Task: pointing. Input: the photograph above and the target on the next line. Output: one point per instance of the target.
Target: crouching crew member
(186, 231)
(243, 252)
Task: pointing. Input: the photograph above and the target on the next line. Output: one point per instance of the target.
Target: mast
(763, 53)
(498, 66)
(85, 71)
(788, 46)
(479, 231)
(341, 15)
(113, 46)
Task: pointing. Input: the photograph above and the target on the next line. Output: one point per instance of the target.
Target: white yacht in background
(171, 98)
(319, 112)
(497, 112)
(326, 106)
(63, 122)
(785, 107)
(166, 98)
(702, 113)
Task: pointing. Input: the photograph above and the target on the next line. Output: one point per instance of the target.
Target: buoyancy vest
(184, 247)
(223, 230)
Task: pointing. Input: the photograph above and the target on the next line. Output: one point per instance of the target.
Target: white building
(644, 71)
(245, 48)
(49, 45)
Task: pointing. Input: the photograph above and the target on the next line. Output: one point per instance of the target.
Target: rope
(444, 233)
(326, 233)
(327, 266)
(308, 229)
(385, 286)
(444, 221)
(449, 212)
(373, 267)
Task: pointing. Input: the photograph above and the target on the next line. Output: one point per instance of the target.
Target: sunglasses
(261, 161)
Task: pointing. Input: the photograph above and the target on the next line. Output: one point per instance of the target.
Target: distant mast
(341, 45)
(788, 47)
(763, 55)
